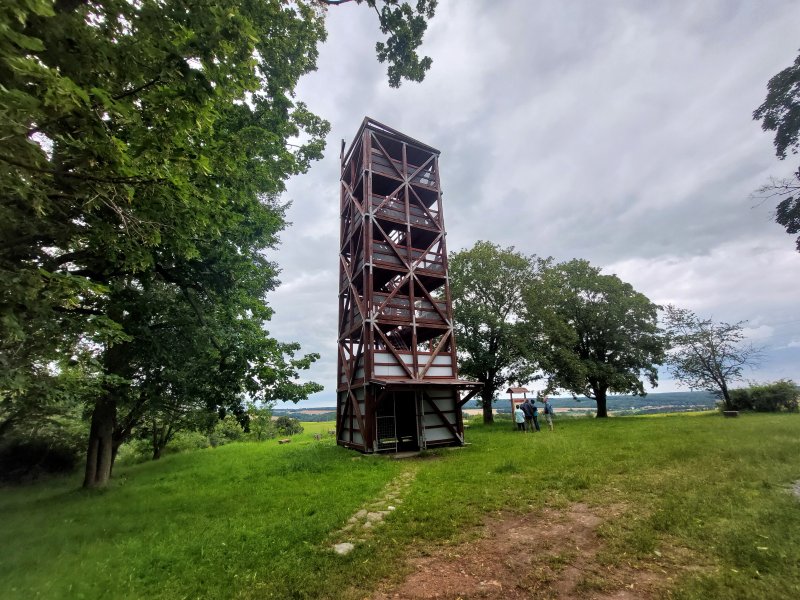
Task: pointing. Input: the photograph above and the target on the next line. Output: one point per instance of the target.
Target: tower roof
(373, 125)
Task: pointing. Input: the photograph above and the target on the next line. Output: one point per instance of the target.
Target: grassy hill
(700, 503)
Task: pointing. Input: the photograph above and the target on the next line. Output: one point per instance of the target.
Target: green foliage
(705, 355)
(788, 211)
(26, 459)
(782, 395)
(50, 439)
(593, 333)
(45, 433)
(135, 451)
(226, 430)
(780, 113)
(288, 426)
(114, 113)
(189, 440)
(405, 24)
(260, 422)
(487, 285)
(144, 146)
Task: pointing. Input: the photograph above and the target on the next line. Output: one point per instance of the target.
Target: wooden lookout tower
(398, 386)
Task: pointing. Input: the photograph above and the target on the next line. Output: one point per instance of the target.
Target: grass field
(257, 520)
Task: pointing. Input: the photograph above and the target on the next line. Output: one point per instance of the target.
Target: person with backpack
(548, 411)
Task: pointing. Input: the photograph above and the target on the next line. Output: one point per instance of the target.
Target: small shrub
(262, 427)
(187, 440)
(226, 430)
(135, 451)
(740, 400)
(28, 459)
(34, 446)
(288, 426)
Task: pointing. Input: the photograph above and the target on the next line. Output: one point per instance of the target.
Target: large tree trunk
(6, 426)
(100, 454)
(103, 441)
(726, 397)
(600, 396)
(487, 395)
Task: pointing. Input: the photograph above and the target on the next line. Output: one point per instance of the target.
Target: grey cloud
(617, 132)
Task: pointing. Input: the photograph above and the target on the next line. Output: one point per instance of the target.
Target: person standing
(519, 418)
(527, 409)
(535, 417)
(548, 411)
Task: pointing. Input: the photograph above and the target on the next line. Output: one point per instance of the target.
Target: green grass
(255, 520)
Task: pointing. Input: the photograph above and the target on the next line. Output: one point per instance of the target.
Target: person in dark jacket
(535, 417)
(528, 409)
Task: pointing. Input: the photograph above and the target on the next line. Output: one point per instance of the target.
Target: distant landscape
(622, 404)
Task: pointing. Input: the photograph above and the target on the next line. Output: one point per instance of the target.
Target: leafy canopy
(487, 284)
(780, 113)
(593, 333)
(405, 25)
(143, 146)
(705, 355)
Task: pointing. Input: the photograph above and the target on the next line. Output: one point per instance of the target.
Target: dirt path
(546, 554)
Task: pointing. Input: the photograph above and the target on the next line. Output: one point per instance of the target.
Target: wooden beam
(383, 151)
(435, 353)
(442, 416)
(422, 166)
(390, 347)
(469, 396)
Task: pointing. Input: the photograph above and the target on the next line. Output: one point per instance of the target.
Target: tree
(288, 426)
(780, 113)
(144, 144)
(486, 285)
(593, 334)
(226, 430)
(260, 421)
(407, 25)
(706, 355)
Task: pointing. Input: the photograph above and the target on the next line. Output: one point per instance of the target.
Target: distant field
(684, 506)
(654, 402)
(624, 404)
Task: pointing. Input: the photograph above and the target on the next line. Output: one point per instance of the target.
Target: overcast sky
(619, 132)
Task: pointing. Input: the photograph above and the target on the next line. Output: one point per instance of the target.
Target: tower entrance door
(406, 413)
(398, 422)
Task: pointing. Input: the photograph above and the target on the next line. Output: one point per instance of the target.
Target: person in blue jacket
(535, 417)
(548, 411)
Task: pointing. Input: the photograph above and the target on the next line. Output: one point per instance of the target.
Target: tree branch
(128, 180)
(136, 90)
